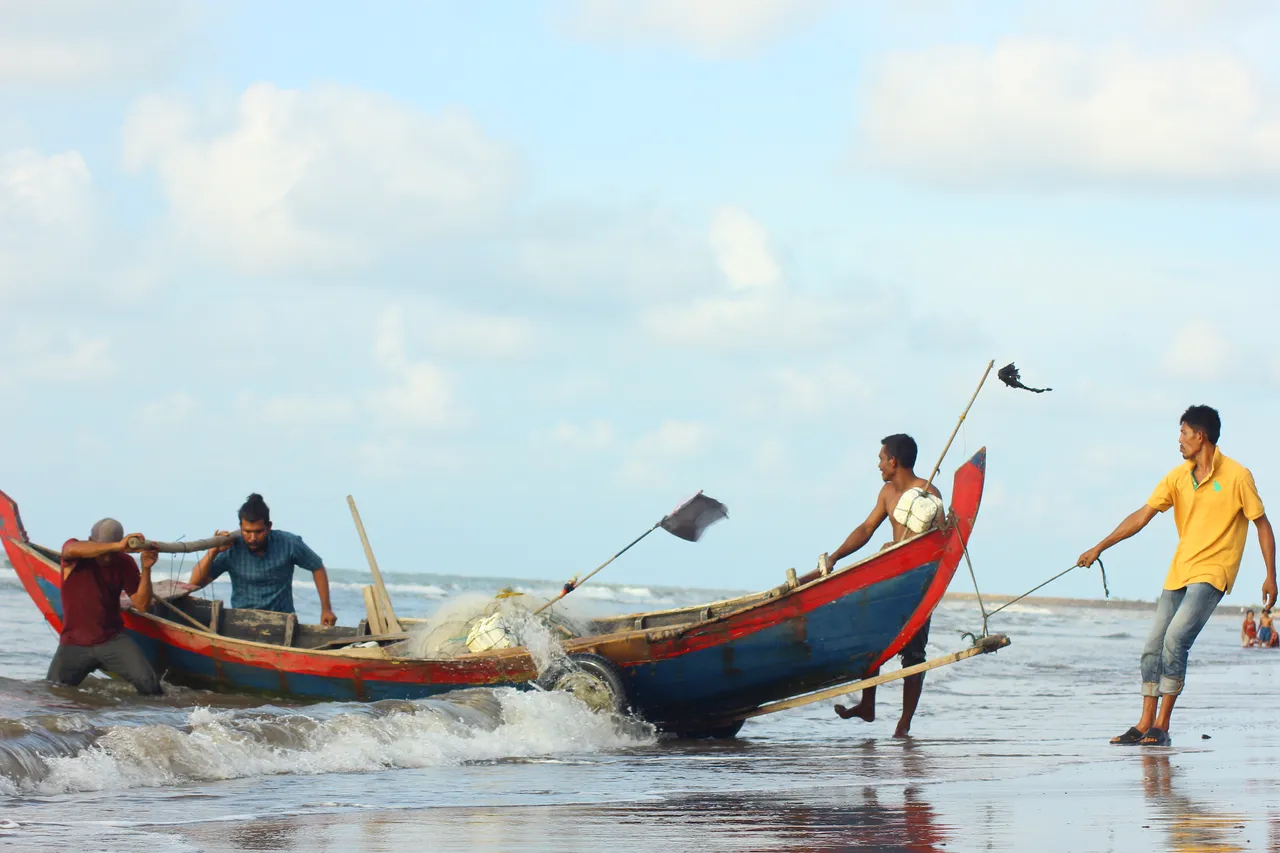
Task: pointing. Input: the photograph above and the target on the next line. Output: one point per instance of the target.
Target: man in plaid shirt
(261, 564)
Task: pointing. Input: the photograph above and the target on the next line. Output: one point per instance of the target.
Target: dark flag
(1009, 376)
(691, 518)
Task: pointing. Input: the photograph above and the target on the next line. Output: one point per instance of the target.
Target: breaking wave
(62, 753)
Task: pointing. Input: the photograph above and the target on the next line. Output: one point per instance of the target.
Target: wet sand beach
(1009, 753)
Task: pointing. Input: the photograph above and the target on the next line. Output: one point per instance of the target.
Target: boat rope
(987, 614)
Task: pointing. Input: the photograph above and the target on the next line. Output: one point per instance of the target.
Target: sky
(520, 277)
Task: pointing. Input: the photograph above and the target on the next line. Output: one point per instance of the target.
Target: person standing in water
(1266, 631)
(1213, 499)
(94, 573)
(1248, 631)
(897, 470)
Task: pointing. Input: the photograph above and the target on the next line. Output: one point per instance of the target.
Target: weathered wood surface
(386, 613)
(183, 547)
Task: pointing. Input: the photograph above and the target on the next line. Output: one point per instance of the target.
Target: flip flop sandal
(1156, 737)
(1129, 738)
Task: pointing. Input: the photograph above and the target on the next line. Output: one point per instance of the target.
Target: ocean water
(1008, 752)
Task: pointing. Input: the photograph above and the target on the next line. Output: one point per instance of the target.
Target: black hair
(1250, 612)
(255, 509)
(1206, 420)
(901, 447)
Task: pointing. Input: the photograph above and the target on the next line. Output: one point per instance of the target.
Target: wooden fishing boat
(696, 670)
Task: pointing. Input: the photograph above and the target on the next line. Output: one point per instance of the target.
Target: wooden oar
(390, 623)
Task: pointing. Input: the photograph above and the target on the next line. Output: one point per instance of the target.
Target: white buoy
(489, 633)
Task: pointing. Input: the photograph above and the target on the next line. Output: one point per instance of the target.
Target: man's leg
(121, 656)
(1152, 654)
(1197, 606)
(71, 665)
(913, 685)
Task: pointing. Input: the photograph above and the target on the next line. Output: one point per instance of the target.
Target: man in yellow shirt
(1213, 499)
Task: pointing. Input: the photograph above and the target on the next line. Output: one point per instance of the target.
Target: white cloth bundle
(918, 510)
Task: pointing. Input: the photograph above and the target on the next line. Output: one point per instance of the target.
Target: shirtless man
(897, 463)
(1266, 631)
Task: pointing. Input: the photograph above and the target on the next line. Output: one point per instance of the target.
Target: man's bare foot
(903, 731)
(860, 710)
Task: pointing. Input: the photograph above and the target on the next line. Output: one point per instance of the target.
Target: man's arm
(861, 534)
(142, 598)
(1267, 541)
(200, 575)
(327, 616)
(1131, 525)
(75, 550)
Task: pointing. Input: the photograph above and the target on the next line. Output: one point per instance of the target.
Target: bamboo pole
(984, 646)
(959, 423)
(389, 621)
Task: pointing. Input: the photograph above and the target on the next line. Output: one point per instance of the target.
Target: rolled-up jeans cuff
(1151, 688)
(1169, 686)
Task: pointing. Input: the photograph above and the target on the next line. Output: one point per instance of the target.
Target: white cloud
(1200, 352)
(28, 354)
(595, 435)
(317, 179)
(810, 393)
(650, 457)
(674, 440)
(46, 217)
(631, 252)
(742, 250)
(304, 410)
(714, 29)
(174, 410)
(64, 43)
(760, 313)
(750, 322)
(1044, 112)
(421, 394)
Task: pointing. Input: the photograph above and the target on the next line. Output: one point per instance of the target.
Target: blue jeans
(1180, 615)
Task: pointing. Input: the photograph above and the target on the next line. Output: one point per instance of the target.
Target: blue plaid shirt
(265, 581)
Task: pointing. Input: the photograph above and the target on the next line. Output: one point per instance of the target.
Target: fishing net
(476, 623)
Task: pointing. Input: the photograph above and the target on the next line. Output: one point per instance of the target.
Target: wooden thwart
(984, 646)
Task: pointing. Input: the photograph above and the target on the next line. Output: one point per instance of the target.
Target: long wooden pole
(183, 547)
(959, 423)
(572, 585)
(390, 622)
(984, 646)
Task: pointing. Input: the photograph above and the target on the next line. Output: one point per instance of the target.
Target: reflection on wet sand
(893, 820)
(1193, 827)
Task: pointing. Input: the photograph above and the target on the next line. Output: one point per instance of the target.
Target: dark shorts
(119, 656)
(913, 652)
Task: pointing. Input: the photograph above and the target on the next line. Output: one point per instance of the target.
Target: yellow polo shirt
(1212, 519)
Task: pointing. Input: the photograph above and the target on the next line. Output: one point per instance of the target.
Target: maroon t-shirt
(91, 598)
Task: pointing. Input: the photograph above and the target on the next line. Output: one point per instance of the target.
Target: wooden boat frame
(694, 670)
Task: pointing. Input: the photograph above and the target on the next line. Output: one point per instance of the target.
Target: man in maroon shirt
(94, 573)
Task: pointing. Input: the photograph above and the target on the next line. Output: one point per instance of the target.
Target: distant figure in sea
(94, 573)
(1213, 499)
(1266, 631)
(261, 564)
(897, 463)
(1248, 631)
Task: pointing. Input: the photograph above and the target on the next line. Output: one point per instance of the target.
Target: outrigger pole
(986, 645)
